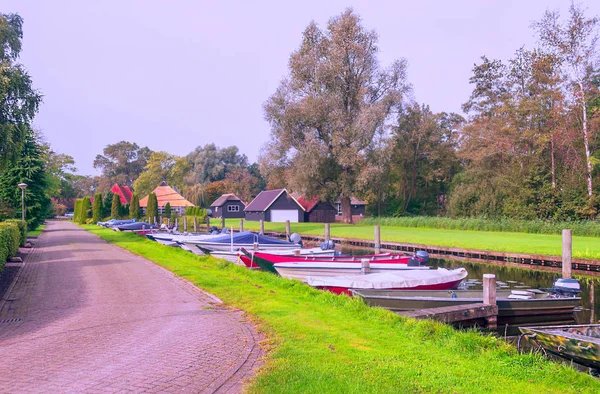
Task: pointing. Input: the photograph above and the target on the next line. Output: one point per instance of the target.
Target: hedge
(11, 237)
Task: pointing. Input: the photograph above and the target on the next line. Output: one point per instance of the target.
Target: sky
(174, 75)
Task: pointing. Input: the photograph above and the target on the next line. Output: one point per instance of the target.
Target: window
(233, 208)
(339, 209)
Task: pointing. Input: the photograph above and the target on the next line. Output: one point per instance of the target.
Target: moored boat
(245, 239)
(138, 227)
(116, 222)
(249, 260)
(578, 343)
(304, 269)
(439, 279)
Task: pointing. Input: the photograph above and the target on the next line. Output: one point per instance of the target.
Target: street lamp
(22, 186)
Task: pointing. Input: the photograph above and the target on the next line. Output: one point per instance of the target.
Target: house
(275, 206)
(166, 194)
(124, 193)
(315, 210)
(228, 206)
(358, 209)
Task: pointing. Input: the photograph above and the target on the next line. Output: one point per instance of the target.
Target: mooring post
(287, 229)
(327, 231)
(223, 222)
(195, 224)
(365, 266)
(489, 289)
(185, 224)
(377, 239)
(262, 227)
(592, 296)
(241, 225)
(168, 222)
(567, 252)
(177, 224)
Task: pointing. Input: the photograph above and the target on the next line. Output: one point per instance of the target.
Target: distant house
(275, 206)
(358, 208)
(165, 193)
(124, 193)
(228, 206)
(315, 210)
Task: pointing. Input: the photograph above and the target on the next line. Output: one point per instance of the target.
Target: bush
(10, 239)
(85, 210)
(97, 208)
(22, 228)
(134, 208)
(116, 207)
(152, 208)
(77, 211)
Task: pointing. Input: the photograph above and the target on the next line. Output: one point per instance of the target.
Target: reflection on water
(517, 278)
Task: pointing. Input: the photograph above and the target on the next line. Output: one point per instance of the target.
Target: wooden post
(241, 225)
(160, 219)
(287, 229)
(365, 266)
(168, 222)
(592, 296)
(207, 222)
(177, 224)
(377, 239)
(327, 231)
(489, 289)
(223, 222)
(262, 227)
(195, 224)
(185, 224)
(567, 253)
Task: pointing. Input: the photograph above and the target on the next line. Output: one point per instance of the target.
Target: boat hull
(301, 271)
(437, 286)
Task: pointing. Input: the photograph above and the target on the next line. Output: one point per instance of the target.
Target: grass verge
(37, 231)
(324, 343)
(543, 244)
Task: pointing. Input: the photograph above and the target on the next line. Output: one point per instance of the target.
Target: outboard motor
(296, 238)
(327, 245)
(224, 230)
(414, 261)
(423, 256)
(566, 287)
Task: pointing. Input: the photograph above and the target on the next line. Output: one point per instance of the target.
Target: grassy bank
(324, 343)
(37, 231)
(545, 244)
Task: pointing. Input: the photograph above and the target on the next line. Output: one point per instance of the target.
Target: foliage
(157, 169)
(86, 210)
(107, 203)
(134, 208)
(168, 210)
(77, 210)
(10, 239)
(115, 209)
(97, 208)
(122, 162)
(331, 109)
(22, 229)
(210, 164)
(320, 342)
(152, 208)
(58, 209)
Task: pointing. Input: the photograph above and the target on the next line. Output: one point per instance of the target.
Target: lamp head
(22, 186)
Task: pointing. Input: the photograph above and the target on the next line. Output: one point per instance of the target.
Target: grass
(542, 244)
(37, 231)
(319, 342)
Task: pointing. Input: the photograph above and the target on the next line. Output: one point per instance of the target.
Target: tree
(168, 210)
(97, 208)
(122, 162)
(107, 204)
(210, 163)
(134, 209)
(152, 208)
(157, 169)
(86, 210)
(243, 183)
(115, 209)
(327, 113)
(574, 43)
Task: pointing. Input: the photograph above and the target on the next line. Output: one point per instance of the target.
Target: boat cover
(136, 226)
(116, 222)
(248, 238)
(390, 280)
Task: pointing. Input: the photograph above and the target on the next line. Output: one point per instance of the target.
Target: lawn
(544, 244)
(37, 231)
(319, 342)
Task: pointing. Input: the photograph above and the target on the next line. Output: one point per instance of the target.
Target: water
(518, 278)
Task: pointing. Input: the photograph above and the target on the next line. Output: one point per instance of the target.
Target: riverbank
(319, 342)
(536, 244)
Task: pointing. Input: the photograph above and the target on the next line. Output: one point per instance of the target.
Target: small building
(358, 209)
(166, 194)
(228, 206)
(315, 210)
(275, 206)
(124, 193)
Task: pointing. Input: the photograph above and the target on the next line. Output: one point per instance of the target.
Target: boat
(514, 307)
(138, 227)
(245, 239)
(577, 343)
(266, 260)
(248, 257)
(116, 222)
(439, 279)
(304, 269)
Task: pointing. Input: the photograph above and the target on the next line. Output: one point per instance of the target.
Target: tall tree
(326, 114)
(86, 210)
(158, 169)
(115, 210)
(97, 208)
(134, 209)
(152, 208)
(210, 163)
(122, 162)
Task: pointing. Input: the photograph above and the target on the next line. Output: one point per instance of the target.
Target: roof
(224, 198)
(266, 198)
(353, 201)
(166, 194)
(307, 204)
(123, 192)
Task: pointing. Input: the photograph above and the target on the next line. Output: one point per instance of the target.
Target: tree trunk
(346, 209)
(553, 163)
(586, 142)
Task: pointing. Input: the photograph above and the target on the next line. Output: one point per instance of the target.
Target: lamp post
(22, 186)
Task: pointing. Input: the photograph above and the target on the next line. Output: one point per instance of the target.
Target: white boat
(234, 257)
(247, 240)
(304, 269)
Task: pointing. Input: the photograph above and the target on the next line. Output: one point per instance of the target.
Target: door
(281, 215)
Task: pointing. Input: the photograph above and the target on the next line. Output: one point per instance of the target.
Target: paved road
(87, 316)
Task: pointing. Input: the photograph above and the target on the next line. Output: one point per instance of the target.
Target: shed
(228, 206)
(358, 208)
(166, 194)
(315, 210)
(275, 206)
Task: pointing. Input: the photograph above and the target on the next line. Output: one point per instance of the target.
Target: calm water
(519, 278)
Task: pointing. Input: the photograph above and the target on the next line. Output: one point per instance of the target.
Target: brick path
(87, 316)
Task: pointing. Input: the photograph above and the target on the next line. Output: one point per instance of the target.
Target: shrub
(134, 208)
(152, 208)
(10, 239)
(107, 204)
(168, 210)
(116, 207)
(77, 210)
(97, 208)
(85, 210)
(22, 228)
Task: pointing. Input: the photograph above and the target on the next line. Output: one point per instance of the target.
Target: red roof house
(124, 193)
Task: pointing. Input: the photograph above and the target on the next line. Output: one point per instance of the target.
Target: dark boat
(577, 343)
(244, 239)
(138, 227)
(515, 308)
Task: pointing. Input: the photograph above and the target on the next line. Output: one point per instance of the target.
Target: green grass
(543, 244)
(319, 342)
(37, 231)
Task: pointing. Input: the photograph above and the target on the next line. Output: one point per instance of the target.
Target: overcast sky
(172, 75)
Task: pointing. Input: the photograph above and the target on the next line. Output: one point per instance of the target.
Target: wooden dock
(457, 314)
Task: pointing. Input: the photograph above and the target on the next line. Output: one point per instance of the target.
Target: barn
(228, 206)
(275, 206)
(315, 210)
